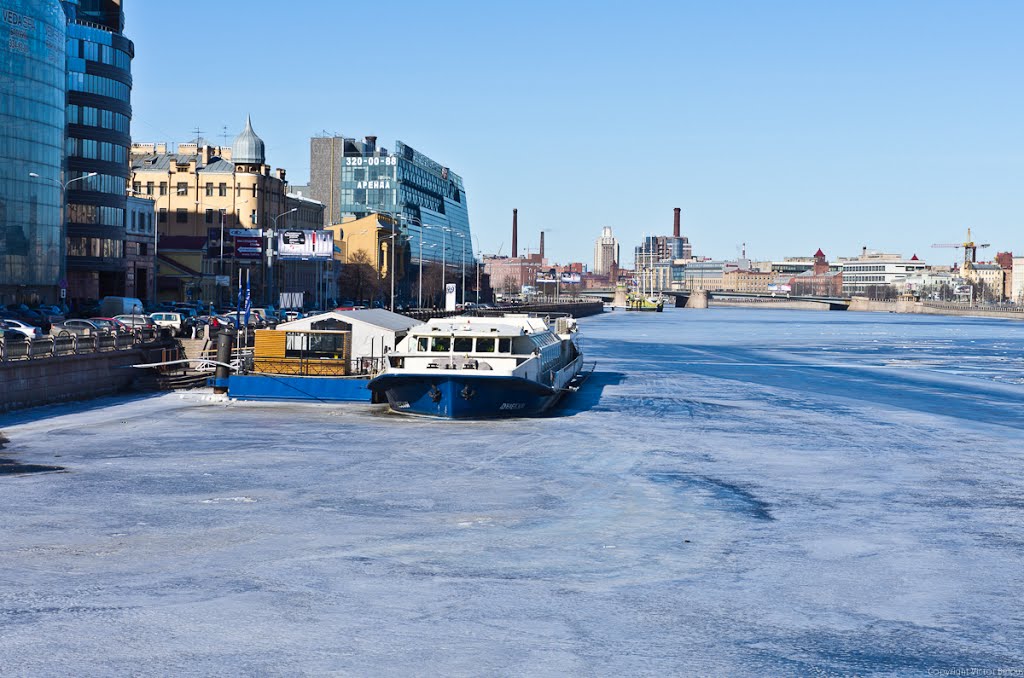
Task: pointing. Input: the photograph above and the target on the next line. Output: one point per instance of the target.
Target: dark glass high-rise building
(32, 67)
(99, 86)
(357, 178)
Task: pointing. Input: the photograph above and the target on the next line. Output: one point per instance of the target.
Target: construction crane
(970, 251)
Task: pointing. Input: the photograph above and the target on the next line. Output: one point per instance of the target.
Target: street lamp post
(444, 263)
(463, 268)
(63, 200)
(269, 283)
(391, 273)
(476, 265)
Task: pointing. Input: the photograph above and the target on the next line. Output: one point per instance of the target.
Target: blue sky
(786, 125)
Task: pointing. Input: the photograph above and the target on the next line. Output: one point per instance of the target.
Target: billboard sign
(248, 248)
(293, 244)
(570, 278)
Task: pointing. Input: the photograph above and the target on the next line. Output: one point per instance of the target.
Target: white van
(111, 306)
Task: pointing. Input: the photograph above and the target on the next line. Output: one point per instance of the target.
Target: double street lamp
(63, 200)
(270, 256)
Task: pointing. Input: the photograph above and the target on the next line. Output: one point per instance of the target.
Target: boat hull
(313, 389)
(456, 396)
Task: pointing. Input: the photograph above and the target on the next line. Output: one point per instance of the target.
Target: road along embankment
(933, 308)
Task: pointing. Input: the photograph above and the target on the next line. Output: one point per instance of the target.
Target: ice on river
(735, 492)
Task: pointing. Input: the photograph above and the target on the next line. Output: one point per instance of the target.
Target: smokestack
(542, 245)
(675, 222)
(515, 233)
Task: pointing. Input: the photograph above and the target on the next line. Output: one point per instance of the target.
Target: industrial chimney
(675, 222)
(542, 245)
(515, 233)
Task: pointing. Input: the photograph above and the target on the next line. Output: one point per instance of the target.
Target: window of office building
(181, 216)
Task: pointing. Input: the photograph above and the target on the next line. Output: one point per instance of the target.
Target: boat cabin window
(422, 344)
(463, 344)
(318, 345)
(441, 345)
(485, 345)
(504, 345)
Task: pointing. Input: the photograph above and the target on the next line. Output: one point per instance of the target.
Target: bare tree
(359, 279)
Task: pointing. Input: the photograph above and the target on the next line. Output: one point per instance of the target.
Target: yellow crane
(970, 251)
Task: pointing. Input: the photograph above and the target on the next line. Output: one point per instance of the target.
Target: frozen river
(735, 492)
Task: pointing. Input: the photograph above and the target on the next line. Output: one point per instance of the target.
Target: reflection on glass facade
(32, 67)
(99, 85)
(356, 178)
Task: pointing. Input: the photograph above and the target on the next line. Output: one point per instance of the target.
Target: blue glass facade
(99, 85)
(355, 179)
(32, 67)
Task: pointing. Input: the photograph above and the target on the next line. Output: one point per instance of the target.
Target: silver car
(24, 328)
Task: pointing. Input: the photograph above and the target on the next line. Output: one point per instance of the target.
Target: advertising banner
(248, 248)
(305, 244)
(449, 296)
(570, 278)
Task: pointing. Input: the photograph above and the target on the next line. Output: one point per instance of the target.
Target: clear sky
(787, 125)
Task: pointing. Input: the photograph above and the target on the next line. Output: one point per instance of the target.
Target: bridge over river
(699, 299)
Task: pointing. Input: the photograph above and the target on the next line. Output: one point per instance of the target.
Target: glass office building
(99, 85)
(32, 67)
(357, 178)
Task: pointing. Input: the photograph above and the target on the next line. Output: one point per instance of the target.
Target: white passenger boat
(476, 368)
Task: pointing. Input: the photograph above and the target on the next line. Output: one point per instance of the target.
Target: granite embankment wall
(932, 308)
(42, 381)
(770, 302)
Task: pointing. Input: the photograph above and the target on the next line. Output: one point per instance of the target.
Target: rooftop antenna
(224, 135)
(198, 132)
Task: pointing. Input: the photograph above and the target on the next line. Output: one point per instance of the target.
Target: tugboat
(639, 302)
(516, 365)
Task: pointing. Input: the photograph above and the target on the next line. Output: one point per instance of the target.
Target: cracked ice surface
(735, 492)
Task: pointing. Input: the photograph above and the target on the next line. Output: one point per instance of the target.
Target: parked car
(112, 324)
(214, 324)
(266, 312)
(79, 328)
(176, 322)
(238, 320)
(29, 331)
(134, 322)
(10, 336)
(52, 314)
(26, 315)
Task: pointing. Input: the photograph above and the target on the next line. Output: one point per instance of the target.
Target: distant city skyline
(788, 126)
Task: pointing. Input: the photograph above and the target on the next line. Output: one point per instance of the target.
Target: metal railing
(71, 344)
(962, 306)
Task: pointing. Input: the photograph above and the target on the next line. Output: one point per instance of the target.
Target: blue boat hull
(465, 396)
(314, 389)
